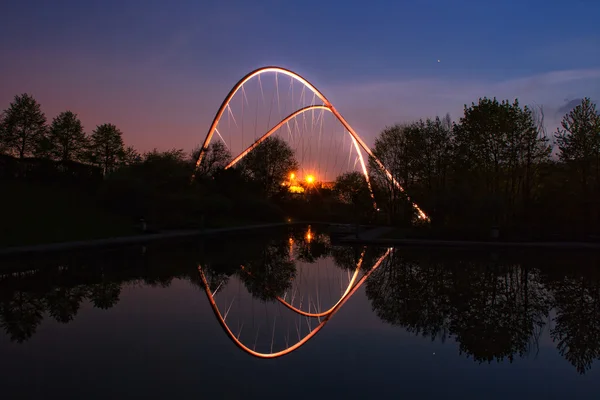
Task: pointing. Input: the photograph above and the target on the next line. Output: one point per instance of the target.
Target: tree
(217, 157)
(131, 156)
(67, 140)
(106, 147)
(392, 150)
(498, 148)
(24, 126)
(3, 135)
(352, 189)
(269, 164)
(578, 142)
(167, 170)
(430, 151)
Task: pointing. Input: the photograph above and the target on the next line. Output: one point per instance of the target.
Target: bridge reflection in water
(315, 293)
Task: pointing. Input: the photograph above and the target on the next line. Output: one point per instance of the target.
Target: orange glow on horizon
(310, 178)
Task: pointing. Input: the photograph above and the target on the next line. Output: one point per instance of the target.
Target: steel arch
(326, 104)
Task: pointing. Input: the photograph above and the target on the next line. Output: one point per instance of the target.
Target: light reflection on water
(438, 322)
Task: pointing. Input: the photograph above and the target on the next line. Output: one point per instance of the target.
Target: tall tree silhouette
(106, 147)
(24, 126)
(430, 150)
(352, 189)
(131, 156)
(217, 157)
(578, 142)
(67, 140)
(392, 148)
(497, 145)
(3, 135)
(269, 164)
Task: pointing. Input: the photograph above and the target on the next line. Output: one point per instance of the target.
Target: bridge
(276, 101)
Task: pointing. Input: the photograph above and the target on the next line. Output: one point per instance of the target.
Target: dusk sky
(159, 70)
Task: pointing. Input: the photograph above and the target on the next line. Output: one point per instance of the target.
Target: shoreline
(352, 240)
(368, 236)
(135, 239)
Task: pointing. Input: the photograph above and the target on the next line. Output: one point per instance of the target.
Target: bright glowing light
(296, 189)
(310, 178)
(292, 176)
(309, 235)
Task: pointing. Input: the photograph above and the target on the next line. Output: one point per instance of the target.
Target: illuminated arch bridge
(276, 101)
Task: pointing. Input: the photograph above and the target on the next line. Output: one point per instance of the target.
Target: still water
(291, 315)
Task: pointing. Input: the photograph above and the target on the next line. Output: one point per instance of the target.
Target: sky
(159, 70)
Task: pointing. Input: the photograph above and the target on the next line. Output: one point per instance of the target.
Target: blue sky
(159, 69)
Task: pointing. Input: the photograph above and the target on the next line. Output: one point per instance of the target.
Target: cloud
(567, 107)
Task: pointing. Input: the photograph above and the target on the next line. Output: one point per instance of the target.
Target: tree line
(495, 167)
(25, 132)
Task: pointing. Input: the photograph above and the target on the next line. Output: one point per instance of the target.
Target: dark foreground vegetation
(495, 168)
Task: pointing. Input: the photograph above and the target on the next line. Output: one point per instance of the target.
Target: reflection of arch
(324, 313)
(305, 339)
(356, 140)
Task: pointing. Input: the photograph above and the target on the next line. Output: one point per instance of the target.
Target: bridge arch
(327, 105)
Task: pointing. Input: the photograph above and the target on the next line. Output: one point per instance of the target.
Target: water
(393, 322)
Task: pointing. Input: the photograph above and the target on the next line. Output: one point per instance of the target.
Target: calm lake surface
(290, 315)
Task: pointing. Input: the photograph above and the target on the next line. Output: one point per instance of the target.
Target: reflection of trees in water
(309, 245)
(347, 257)
(104, 295)
(403, 293)
(493, 312)
(577, 322)
(270, 274)
(20, 314)
(497, 310)
(58, 287)
(63, 303)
